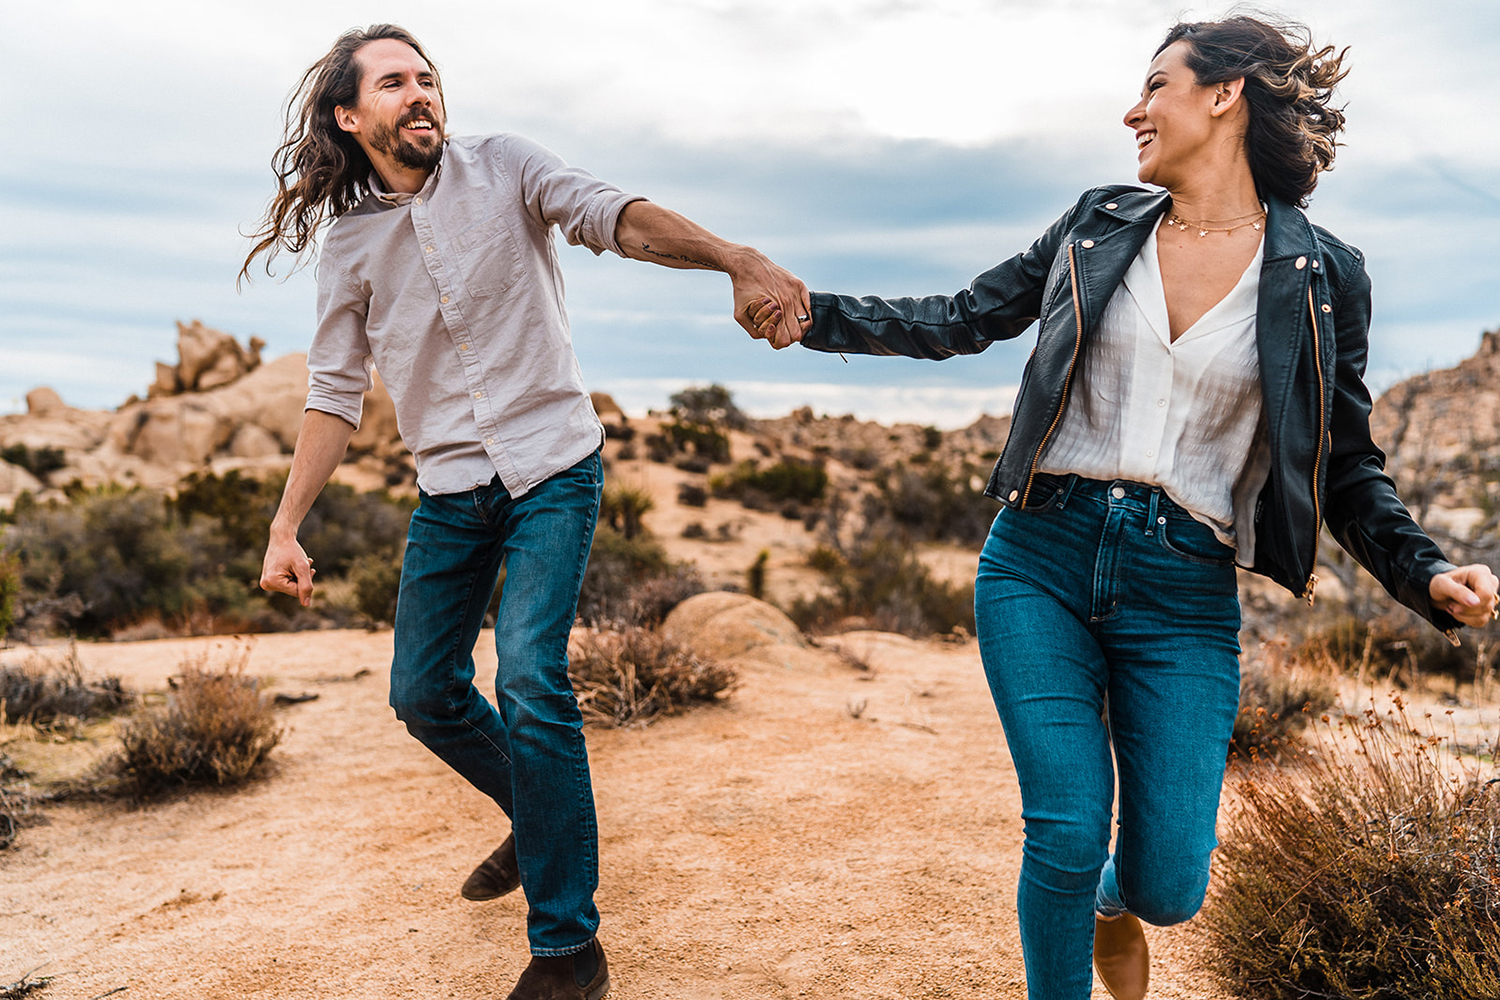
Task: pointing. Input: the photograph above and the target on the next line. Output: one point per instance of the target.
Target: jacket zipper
(1312, 315)
(1067, 380)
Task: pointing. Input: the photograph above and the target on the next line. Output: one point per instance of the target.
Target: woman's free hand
(1468, 593)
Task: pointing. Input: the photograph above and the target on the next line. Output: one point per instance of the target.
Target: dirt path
(774, 847)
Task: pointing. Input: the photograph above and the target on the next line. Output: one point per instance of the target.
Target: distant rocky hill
(1441, 434)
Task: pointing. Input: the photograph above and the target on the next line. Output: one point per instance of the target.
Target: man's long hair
(321, 171)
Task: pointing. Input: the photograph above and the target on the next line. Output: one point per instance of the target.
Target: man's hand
(287, 569)
(770, 302)
(765, 315)
(1468, 593)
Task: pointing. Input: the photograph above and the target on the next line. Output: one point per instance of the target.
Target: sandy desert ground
(774, 846)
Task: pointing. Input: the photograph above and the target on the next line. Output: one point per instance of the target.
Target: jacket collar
(1288, 233)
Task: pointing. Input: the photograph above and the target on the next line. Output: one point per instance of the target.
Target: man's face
(399, 110)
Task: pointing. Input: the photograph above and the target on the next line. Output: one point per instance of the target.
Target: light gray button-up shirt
(456, 296)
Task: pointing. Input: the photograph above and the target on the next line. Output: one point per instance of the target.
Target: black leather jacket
(1312, 325)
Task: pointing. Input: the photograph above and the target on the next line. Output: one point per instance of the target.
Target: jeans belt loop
(1065, 489)
(1151, 512)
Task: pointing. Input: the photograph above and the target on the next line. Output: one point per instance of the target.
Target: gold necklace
(1203, 227)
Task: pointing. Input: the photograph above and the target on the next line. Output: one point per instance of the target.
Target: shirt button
(463, 347)
(478, 395)
(489, 440)
(418, 201)
(445, 300)
(1118, 493)
(429, 250)
(1301, 263)
(1087, 244)
(1150, 454)
(1161, 402)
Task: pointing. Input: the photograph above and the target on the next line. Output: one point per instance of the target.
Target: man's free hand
(1468, 593)
(287, 569)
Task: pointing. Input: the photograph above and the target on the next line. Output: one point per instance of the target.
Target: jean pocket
(1195, 541)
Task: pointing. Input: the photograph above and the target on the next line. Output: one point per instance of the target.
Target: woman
(1195, 399)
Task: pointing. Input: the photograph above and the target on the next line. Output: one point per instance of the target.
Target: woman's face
(1173, 121)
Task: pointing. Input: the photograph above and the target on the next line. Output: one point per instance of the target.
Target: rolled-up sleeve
(339, 360)
(582, 206)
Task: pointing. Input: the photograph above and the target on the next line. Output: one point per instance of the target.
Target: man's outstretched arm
(320, 447)
(646, 231)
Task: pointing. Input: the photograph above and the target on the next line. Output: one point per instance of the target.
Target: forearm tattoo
(646, 247)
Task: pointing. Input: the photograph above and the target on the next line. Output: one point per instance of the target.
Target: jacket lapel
(1281, 330)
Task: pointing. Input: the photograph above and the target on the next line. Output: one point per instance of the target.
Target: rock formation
(206, 359)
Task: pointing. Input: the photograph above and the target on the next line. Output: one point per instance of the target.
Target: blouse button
(1301, 263)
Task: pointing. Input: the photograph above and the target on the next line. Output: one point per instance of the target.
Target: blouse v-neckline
(1143, 279)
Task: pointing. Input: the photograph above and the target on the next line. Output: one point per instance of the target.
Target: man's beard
(394, 143)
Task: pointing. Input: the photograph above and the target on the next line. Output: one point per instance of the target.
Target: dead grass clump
(627, 675)
(42, 690)
(1281, 691)
(214, 730)
(1371, 872)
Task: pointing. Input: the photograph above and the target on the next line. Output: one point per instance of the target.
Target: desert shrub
(932, 503)
(10, 589)
(42, 689)
(692, 495)
(616, 565)
(37, 461)
(344, 524)
(1371, 871)
(215, 729)
(1394, 646)
(705, 441)
(755, 576)
(625, 675)
(376, 580)
(788, 479)
(622, 508)
(932, 438)
(879, 578)
(710, 405)
(1280, 692)
(650, 601)
(694, 529)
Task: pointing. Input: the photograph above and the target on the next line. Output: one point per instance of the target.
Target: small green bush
(623, 507)
(627, 675)
(215, 729)
(755, 576)
(38, 462)
(10, 590)
(376, 580)
(1369, 871)
(616, 565)
(788, 479)
(880, 579)
(710, 405)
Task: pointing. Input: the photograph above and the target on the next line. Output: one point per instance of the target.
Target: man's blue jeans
(1108, 594)
(527, 751)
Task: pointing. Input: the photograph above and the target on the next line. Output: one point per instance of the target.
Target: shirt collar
(399, 198)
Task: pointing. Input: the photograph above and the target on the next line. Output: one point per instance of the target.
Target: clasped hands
(771, 304)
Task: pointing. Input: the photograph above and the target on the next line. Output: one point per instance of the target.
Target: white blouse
(1185, 416)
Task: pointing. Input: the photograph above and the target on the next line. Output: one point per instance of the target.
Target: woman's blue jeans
(1108, 596)
(527, 750)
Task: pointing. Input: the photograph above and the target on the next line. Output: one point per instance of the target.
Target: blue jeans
(1108, 595)
(527, 751)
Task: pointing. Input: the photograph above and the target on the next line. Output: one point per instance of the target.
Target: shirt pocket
(489, 259)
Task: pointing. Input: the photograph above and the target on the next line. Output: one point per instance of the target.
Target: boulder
(14, 480)
(45, 402)
(253, 441)
(207, 359)
(722, 626)
(378, 433)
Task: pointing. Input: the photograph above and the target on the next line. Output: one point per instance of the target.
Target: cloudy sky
(872, 146)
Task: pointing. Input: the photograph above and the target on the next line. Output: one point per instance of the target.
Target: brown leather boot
(496, 875)
(1121, 957)
(556, 979)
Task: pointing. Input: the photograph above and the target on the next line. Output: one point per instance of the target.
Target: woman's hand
(765, 314)
(1467, 593)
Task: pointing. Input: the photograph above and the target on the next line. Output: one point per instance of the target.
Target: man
(440, 271)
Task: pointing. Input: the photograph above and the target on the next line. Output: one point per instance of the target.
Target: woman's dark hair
(321, 171)
(1288, 86)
